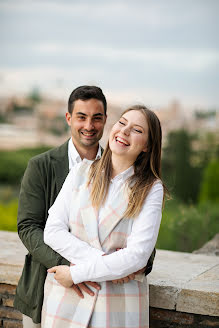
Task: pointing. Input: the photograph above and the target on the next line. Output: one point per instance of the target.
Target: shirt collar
(74, 156)
(124, 175)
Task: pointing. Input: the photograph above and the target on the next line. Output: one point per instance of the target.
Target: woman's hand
(62, 275)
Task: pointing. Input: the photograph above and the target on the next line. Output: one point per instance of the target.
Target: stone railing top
(179, 281)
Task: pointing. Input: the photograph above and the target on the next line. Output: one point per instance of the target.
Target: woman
(113, 203)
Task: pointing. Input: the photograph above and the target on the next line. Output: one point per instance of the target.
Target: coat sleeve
(31, 217)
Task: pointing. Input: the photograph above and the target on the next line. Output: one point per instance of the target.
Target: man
(40, 186)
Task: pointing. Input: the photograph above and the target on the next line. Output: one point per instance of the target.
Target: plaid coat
(114, 306)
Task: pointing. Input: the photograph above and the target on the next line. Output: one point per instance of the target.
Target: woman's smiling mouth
(122, 141)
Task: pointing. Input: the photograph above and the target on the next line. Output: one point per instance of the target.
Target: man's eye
(98, 118)
(122, 123)
(81, 117)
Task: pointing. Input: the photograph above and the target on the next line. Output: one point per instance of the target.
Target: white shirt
(90, 264)
(74, 157)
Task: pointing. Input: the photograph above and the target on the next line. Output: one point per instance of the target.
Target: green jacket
(40, 186)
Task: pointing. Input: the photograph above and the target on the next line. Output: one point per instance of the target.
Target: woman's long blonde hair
(147, 168)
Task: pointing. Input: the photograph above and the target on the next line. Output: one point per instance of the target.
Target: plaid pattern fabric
(114, 306)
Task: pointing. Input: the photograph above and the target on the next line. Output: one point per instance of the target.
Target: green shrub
(14, 163)
(186, 228)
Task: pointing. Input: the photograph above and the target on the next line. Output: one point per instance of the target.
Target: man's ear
(105, 119)
(68, 118)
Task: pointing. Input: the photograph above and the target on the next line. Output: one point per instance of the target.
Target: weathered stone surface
(198, 302)
(208, 323)
(10, 313)
(201, 294)
(12, 249)
(210, 248)
(160, 318)
(177, 268)
(160, 295)
(7, 289)
(11, 257)
(176, 275)
(8, 302)
(171, 316)
(10, 274)
(12, 324)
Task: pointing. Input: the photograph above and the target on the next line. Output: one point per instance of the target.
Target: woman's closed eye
(122, 123)
(136, 130)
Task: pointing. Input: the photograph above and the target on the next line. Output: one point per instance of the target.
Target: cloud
(97, 55)
(112, 23)
(59, 82)
(176, 59)
(168, 48)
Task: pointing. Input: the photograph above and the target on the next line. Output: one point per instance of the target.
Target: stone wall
(9, 317)
(184, 288)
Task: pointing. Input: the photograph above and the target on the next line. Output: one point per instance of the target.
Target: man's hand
(128, 278)
(63, 276)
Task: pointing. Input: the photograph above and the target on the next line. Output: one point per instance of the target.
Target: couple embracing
(91, 235)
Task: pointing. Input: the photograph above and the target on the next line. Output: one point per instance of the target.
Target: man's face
(87, 123)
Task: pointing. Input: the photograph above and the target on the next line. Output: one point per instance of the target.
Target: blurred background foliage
(190, 165)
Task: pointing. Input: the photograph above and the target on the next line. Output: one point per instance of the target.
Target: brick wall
(159, 318)
(9, 317)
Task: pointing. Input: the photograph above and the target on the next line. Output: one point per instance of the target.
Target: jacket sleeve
(149, 265)
(31, 217)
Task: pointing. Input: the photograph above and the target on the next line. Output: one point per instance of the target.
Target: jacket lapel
(60, 163)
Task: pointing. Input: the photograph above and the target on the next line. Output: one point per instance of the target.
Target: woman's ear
(145, 149)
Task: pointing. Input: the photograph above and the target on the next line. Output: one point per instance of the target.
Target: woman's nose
(126, 130)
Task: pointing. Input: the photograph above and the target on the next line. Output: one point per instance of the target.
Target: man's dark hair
(86, 92)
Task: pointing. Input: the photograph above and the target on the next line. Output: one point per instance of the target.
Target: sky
(152, 52)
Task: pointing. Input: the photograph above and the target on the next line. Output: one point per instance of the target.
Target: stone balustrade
(184, 287)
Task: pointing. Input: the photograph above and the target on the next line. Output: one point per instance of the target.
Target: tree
(181, 177)
(35, 96)
(210, 182)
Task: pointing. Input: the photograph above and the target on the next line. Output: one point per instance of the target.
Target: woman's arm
(56, 233)
(140, 244)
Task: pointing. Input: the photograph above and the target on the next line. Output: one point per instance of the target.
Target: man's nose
(89, 125)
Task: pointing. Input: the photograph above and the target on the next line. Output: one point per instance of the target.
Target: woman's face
(128, 137)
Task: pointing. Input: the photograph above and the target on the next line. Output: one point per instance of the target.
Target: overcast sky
(137, 51)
